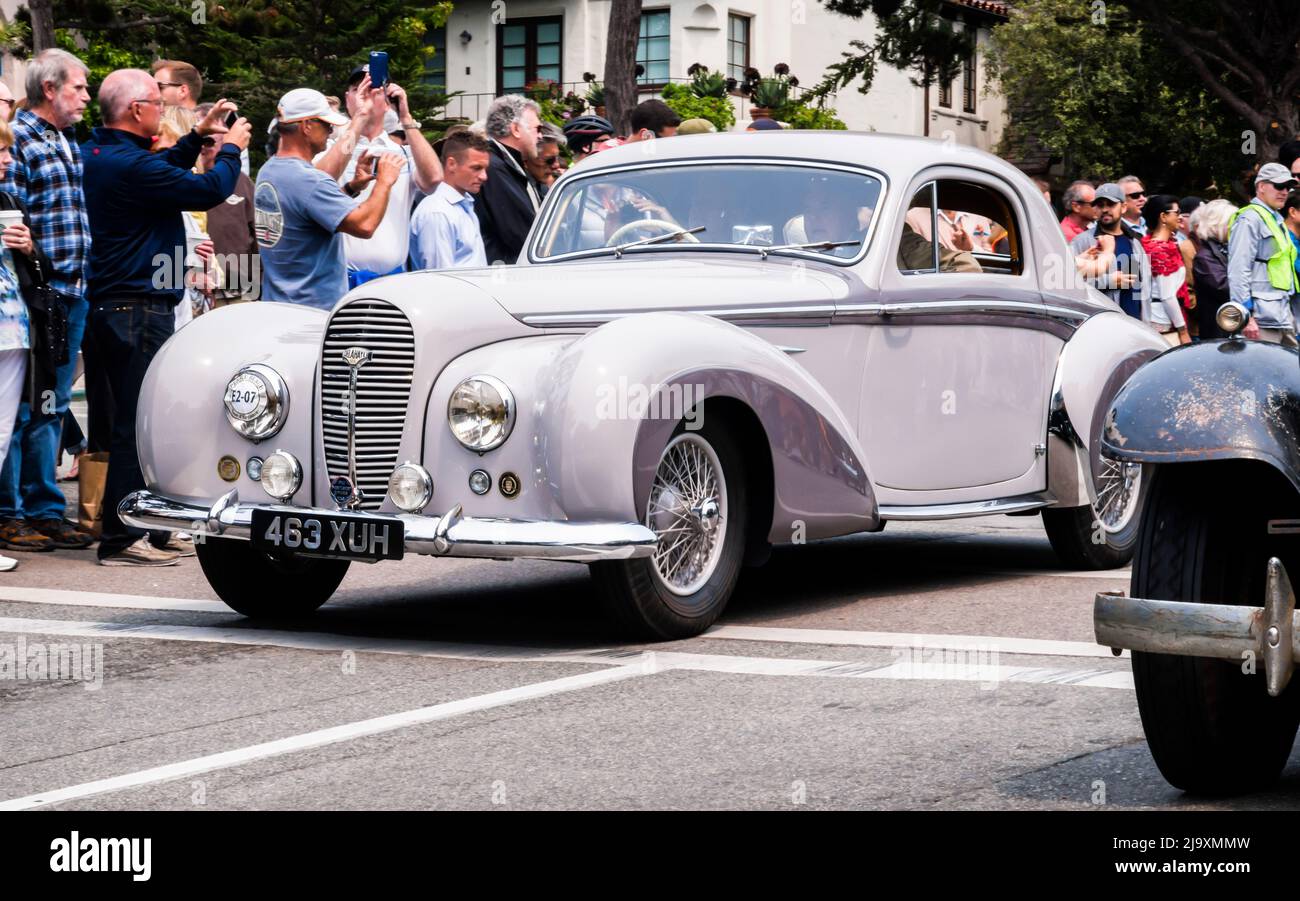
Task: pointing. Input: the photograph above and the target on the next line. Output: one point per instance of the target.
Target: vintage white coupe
(711, 345)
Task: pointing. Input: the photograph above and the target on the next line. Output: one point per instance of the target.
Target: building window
(528, 50)
(435, 68)
(652, 48)
(968, 83)
(945, 94)
(737, 46)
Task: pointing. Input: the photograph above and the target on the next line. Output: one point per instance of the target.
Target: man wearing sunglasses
(548, 165)
(302, 213)
(1135, 198)
(1128, 281)
(134, 201)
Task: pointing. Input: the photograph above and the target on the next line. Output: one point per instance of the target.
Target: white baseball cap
(301, 104)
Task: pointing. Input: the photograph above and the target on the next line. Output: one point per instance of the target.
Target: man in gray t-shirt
(301, 212)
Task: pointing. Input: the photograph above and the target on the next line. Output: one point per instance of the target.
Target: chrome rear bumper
(1269, 634)
(451, 534)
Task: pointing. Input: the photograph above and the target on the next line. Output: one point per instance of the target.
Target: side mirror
(1232, 318)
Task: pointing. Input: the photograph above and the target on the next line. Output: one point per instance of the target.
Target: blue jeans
(28, 487)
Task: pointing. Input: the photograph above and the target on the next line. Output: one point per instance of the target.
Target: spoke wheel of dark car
(1211, 725)
(1102, 535)
(254, 584)
(697, 508)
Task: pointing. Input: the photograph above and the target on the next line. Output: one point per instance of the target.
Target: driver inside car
(831, 213)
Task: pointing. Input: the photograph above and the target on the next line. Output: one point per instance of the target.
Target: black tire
(1072, 532)
(260, 586)
(1212, 729)
(635, 595)
(1080, 541)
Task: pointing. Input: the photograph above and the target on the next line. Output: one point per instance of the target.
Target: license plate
(328, 535)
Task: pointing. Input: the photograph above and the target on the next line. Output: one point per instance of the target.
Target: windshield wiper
(618, 251)
(815, 245)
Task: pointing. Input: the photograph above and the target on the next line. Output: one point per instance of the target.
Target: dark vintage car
(1216, 427)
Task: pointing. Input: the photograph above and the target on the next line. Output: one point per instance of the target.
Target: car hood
(599, 290)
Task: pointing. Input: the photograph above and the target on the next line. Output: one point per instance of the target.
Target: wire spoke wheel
(1118, 491)
(687, 510)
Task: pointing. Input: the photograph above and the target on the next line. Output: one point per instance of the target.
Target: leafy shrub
(681, 99)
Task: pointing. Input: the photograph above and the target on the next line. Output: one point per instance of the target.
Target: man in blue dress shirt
(444, 230)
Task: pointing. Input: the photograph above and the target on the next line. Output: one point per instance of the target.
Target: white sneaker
(7, 563)
(142, 553)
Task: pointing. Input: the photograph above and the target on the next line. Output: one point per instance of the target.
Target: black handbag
(49, 319)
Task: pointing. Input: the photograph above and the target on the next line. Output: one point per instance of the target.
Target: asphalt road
(933, 666)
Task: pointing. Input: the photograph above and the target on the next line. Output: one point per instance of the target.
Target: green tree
(1109, 97)
(910, 35)
(253, 51)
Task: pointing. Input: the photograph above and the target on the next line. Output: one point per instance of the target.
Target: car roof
(898, 156)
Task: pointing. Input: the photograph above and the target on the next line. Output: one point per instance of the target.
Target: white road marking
(321, 737)
(1030, 646)
(66, 598)
(618, 664)
(928, 662)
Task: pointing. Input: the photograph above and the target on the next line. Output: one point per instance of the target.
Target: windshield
(737, 204)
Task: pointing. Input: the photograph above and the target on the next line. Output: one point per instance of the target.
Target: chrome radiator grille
(383, 390)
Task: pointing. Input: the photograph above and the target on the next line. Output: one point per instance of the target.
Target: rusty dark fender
(1217, 400)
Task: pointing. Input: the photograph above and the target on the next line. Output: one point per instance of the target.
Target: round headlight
(1232, 317)
(281, 475)
(481, 413)
(410, 487)
(257, 402)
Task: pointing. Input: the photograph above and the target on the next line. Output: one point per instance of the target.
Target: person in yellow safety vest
(1261, 259)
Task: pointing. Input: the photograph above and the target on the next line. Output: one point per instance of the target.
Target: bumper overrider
(1269, 634)
(451, 534)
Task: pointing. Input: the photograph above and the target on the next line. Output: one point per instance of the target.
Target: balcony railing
(473, 107)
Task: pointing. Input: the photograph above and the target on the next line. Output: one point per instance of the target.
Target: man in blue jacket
(134, 199)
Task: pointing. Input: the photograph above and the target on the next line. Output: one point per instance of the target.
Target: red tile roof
(997, 7)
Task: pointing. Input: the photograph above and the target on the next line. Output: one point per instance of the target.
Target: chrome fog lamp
(481, 413)
(1232, 317)
(281, 475)
(257, 402)
(410, 487)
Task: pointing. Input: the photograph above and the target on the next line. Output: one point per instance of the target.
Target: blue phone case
(378, 68)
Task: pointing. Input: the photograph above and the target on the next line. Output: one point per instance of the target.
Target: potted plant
(705, 83)
(596, 97)
(768, 94)
(542, 89)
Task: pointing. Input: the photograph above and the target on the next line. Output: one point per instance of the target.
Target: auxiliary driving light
(410, 487)
(480, 482)
(281, 475)
(1232, 317)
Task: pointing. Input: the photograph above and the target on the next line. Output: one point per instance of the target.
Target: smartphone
(231, 119)
(378, 69)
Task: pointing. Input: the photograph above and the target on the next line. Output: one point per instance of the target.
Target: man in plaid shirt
(47, 181)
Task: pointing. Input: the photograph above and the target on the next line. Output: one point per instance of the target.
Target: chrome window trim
(883, 311)
(744, 314)
(543, 226)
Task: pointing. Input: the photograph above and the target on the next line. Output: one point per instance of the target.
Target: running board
(1021, 503)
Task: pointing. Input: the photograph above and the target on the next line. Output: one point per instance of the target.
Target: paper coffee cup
(10, 217)
(191, 243)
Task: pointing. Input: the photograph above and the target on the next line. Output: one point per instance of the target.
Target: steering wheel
(621, 234)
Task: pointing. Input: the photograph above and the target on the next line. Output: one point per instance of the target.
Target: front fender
(1216, 400)
(618, 392)
(1099, 358)
(181, 427)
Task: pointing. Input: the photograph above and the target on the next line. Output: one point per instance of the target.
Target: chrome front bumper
(1268, 634)
(451, 534)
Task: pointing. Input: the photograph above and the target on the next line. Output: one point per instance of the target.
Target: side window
(976, 226)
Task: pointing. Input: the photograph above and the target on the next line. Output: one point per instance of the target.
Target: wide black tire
(260, 586)
(1074, 534)
(1212, 728)
(637, 598)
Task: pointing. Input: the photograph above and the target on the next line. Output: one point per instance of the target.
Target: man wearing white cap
(1261, 259)
(377, 113)
(302, 213)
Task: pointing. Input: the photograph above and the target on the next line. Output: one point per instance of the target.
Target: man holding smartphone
(356, 151)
